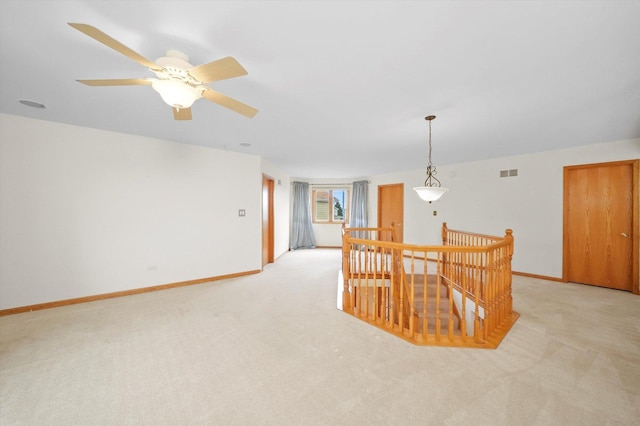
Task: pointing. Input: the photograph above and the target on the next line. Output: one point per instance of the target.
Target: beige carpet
(272, 349)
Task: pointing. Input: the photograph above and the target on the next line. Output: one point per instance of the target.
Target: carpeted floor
(272, 349)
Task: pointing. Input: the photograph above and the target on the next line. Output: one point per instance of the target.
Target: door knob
(624, 234)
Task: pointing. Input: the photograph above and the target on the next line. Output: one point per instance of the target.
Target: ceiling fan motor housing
(176, 65)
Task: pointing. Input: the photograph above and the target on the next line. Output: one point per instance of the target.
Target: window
(330, 205)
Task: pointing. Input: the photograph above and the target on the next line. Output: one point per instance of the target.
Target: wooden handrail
(456, 294)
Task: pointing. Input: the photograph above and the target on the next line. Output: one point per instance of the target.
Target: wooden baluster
(425, 293)
(411, 296)
(486, 326)
(498, 293)
(501, 289)
(491, 295)
(395, 294)
(355, 278)
(503, 284)
(463, 307)
(374, 284)
(380, 283)
(477, 289)
(346, 271)
(362, 278)
(365, 290)
(381, 289)
(400, 293)
(438, 321)
(386, 292)
(407, 293)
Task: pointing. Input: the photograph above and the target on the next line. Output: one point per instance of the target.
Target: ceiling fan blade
(182, 113)
(116, 82)
(229, 103)
(218, 70)
(98, 35)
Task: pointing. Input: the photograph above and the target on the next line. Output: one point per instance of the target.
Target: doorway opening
(267, 221)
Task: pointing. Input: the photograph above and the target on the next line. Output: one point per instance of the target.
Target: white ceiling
(342, 87)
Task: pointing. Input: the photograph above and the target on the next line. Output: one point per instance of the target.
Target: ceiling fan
(178, 82)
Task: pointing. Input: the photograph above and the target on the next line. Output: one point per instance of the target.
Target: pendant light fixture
(432, 189)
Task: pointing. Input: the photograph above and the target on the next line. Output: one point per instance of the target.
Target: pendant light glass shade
(430, 193)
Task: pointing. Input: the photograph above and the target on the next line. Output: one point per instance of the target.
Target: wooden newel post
(444, 233)
(445, 241)
(509, 237)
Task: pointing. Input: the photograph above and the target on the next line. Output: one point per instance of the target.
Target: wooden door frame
(270, 219)
(635, 218)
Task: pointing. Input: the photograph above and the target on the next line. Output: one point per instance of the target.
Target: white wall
(480, 201)
(86, 212)
(281, 211)
(328, 235)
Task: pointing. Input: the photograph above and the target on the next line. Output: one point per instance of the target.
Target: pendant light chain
(429, 144)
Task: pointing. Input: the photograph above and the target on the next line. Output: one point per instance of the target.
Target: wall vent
(508, 173)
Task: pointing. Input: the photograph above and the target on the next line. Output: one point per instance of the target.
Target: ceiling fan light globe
(430, 193)
(175, 93)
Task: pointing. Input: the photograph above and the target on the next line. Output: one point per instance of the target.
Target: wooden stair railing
(457, 294)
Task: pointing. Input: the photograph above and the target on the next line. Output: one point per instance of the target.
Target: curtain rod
(331, 184)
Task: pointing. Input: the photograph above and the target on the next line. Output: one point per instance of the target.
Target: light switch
(242, 213)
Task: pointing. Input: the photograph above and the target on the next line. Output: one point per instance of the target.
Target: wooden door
(391, 208)
(601, 224)
(267, 220)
